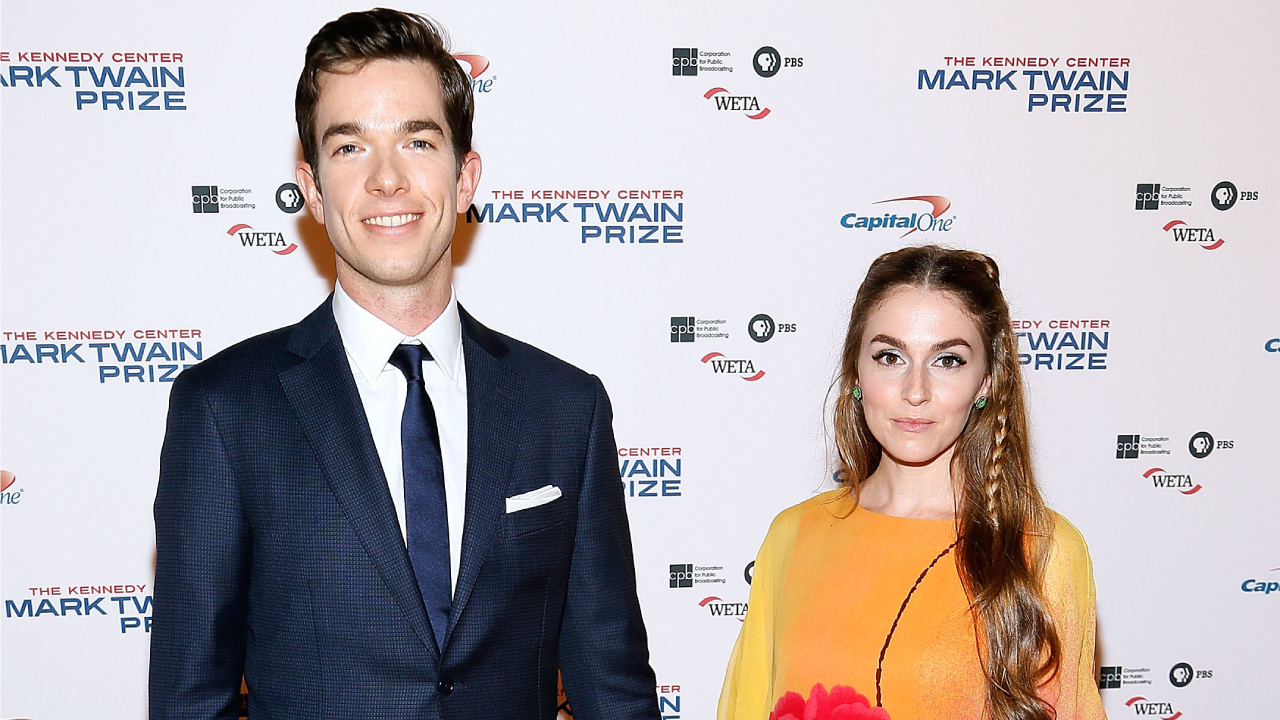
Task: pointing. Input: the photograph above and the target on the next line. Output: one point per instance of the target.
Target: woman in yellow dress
(935, 581)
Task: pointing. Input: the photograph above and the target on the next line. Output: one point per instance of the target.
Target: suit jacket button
(445, 685)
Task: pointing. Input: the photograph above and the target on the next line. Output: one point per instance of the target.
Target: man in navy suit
(389, 510)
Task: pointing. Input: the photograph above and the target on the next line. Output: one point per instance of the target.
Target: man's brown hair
(345, 45)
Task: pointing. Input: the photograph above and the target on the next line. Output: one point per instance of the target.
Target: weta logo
(722, 365)
(719, 608)
(748, 104)
(1162, 710)
(1202, 236)
(252, 238)
(1162, 479)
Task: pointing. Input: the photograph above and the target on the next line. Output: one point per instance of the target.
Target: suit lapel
(494, 417)
(323, 393)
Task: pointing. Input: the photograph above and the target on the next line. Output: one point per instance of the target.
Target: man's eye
(420, 144)
(344, 149)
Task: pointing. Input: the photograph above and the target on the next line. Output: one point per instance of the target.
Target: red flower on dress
(842, 703)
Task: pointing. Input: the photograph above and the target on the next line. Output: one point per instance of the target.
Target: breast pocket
(535, 519)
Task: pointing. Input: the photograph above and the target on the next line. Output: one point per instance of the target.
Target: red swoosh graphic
(708, 356)
(1151, 472)
(939, 203)
(1214, 246)
(1133, 700)
(1174, 716)
(760, 115)
(713, 91)
(6, 479)
(286, 251)
(238, 228)
(707, 600)
(477, 63)
(1172, 224)
(1192, 491)
(755, 377)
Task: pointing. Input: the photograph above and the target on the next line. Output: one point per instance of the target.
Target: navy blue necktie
(426, 514)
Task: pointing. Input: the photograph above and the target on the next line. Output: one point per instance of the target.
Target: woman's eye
(951, 361)
(887, 357)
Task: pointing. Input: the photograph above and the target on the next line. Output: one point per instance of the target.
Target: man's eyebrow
(357, 129)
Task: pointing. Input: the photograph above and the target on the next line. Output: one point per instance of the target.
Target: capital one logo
(748, 104)
(252, 238)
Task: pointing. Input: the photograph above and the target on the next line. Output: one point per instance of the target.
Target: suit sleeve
(604, 653)
(202, 568)
(1069, 592)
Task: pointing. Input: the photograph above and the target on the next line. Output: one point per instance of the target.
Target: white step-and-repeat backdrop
(682, 198)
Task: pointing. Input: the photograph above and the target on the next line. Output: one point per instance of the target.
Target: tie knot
(408, 359)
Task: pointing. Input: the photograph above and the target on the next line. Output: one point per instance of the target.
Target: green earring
(982, 402)
(857, 393)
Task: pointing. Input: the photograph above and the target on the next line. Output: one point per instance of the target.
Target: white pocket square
(533, 498)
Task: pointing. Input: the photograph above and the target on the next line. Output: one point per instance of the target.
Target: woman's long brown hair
(1002, 523)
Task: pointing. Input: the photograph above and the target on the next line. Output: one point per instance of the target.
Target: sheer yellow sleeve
(1069, 592)
(748, 682)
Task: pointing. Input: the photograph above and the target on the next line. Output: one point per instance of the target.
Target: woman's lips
(913, 424)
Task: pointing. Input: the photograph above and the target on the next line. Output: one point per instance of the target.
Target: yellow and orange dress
(828, 582)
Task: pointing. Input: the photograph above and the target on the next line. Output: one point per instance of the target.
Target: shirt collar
(370, 340)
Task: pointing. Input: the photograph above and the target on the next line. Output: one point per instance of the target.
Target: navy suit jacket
(279, 556)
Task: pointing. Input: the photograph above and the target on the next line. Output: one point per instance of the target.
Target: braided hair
(1002, 524)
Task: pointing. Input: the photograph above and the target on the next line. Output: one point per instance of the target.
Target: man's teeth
(393, 220)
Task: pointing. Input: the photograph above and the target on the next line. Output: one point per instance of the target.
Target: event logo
(1272, 345)
(1063, 344)
(124, 360)
(1129, 447)
(289, 198)
(252, 238)
(1202, 236)
(1055, 84)
(1202, 443)
(749, 105)
(686, 575)
(624, 223)
(720, 608)
(1266, 587)
(1112, 677)
(761, 328)
(1143, 706)
(1225, 195)
(650, 472)
(749, 571)
(9, 496)
(669, 702)
(129, 83)
(927, 222)
(125, 602)
(476, 65)
(723, 365)
(767, 62)
(688, 62)
(204, 198)
(1153, 196)
(1161, 479)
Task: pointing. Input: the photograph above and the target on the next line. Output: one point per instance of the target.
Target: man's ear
(310, 190)
(468, 180)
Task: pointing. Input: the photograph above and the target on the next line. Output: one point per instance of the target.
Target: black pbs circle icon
(1200, 445)
(761, 328)
(1224, 195)
(289, 198)
(1181, 675)
(767, 62)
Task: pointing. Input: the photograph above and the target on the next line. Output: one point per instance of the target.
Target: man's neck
(409, 308)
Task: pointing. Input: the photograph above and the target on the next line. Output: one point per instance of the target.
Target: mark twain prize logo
(113, 81)
(931, 221)
(126, 603)
(651, 472)
(1063, 344)
(603, 217)
(120, 356)
(1051, 84)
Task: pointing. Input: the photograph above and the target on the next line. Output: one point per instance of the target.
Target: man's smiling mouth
(392, 220)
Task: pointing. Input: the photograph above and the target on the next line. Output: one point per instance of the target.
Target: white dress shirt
(369, 342)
